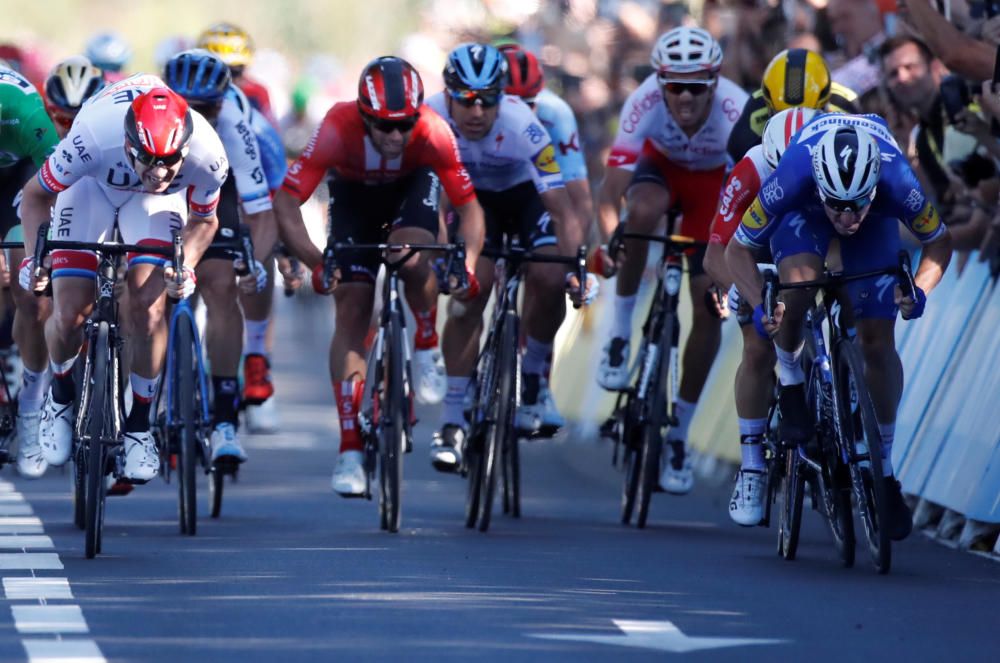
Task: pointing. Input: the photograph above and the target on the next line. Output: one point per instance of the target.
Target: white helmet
(72, 82)
(686, 50)
(846, 163)
(779, 130)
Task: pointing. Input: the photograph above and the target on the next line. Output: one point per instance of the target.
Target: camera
(955, 96)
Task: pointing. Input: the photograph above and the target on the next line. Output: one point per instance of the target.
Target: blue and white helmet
(846, 163)
(109, 51)
(479, 67)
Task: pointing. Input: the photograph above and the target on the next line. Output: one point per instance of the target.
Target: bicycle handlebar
(518, 254)
(455, 251)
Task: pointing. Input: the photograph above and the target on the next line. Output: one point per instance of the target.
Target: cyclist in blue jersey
(526, 80)
(842, 178)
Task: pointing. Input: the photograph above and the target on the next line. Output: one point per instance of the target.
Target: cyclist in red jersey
(235, 47)
(390, 156)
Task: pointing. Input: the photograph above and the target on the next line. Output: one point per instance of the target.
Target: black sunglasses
(469, 98)
(679, 87)
(843, 206)
(151, 160)
(388, 126)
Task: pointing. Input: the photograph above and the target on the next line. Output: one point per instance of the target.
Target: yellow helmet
(796, 77)
(229, 42)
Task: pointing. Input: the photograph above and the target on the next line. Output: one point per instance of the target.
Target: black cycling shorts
(12, 180)
(229, 214)
(516, 211)
(367, 213)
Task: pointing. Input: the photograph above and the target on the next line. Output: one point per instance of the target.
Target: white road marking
(37, 588)
(63, 651)
(49, 619)
(20, 541)
(30, 561)
(20, 525)
(13, 496)
(657, 635)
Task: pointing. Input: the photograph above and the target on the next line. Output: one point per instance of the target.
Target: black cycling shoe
(447, 448)
(899, 515)
(796, 423)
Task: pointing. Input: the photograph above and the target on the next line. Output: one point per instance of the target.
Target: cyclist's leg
(544, 312)
(875, 246)
(647, 200)
(799, 248)
(460, 342)
(81, 213)
(224, 327)
(418, 224)
(146, 219)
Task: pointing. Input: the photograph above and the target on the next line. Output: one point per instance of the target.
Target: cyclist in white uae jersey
(670, 152)
(511, 160)
(138, 159)
(203, 79)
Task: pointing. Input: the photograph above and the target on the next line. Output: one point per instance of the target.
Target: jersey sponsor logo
(571, 146)
(217, 166)
(48, 180)
(11, 77)
(249, 143)
(535, 133)
(619, 159)
(81, 149)
(797, 223)
(639, 108)
(914, 200)
(433, 193)
(125, 182)
(257, 175)
(772, 192)
(883, 284)
(545, 161)
(756, 217)
(67, 156)
(65, 221)
(731, 110)
(732, 189)
(928, 221)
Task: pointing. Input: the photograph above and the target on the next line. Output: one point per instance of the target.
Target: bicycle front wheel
(501, 429)
(183, 379)
(790, 521)
(100, 426)
(393, 440)
(861, 439)
(654, 421)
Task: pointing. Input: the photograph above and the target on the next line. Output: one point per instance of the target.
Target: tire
(215, 489)
(188, 455)
(393, 442)
(857, 418)
(512, 458)
(100, 424)
(655, 419)
(501, 429)
(479, 427)
(790, 520)
(79, 479)
(631, 457)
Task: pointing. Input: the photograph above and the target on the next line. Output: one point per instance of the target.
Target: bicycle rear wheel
(858, 424)
(511, 454)
(183, 379)
(393, 438)
(790, 519)
(501, 427)
(654, 421)
(99, 427)
(631, 458)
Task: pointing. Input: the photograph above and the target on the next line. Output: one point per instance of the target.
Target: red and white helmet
(390, 89)
(780, 129)
(686, 50)
(158, 126)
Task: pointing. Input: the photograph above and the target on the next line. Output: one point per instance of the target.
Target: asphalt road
(291, 571)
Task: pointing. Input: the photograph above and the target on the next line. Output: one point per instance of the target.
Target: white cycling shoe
(747, 504)
(226, 445)
(612, 372)
(349, 474)
(428, 373)
(677, 476)
(551, 419)
(55, 431)
(142, 459)
(263, 418)
(31, 463)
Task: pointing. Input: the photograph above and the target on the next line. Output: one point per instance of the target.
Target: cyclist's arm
(743, 269)
(292, 230)
(583, 203)
(472, 228)
(567, 227)
(934, 259)
(264, 232)
(609, 199)
(715, 264)
(36, 202)
(198, 234)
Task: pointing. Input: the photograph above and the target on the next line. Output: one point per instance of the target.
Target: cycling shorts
(229, 214)
(517, 211)
(12, 180)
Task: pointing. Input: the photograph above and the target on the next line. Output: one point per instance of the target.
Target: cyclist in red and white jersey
(137, 158)
(670, 151)
(389, 156)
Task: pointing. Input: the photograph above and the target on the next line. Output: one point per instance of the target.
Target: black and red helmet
(525, 77)
(390, 89)
(158, 125)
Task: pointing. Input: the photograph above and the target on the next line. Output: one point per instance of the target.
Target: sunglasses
(207, 109)
(469, 98)
(844, 206)
(388, 126)
(679, 87)
(150, 160)
(64, 120)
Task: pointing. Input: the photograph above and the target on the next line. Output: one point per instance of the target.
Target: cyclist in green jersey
(27, 136)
